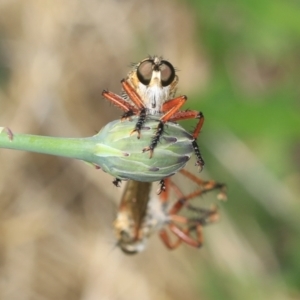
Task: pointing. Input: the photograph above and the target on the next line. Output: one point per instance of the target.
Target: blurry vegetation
(238, 63)
(253, 48)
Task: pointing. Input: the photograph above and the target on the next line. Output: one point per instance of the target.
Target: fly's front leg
(136, 99)
(140, 122)
(176, 103)
(129, 110)
(155, 139)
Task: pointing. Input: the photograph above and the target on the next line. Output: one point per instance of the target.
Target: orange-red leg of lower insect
(207, 215)
(167, 241)
(182, 199)
(206, 186)
(178, 205)
(183, 236)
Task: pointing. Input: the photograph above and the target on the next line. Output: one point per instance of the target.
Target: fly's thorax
(153, 97)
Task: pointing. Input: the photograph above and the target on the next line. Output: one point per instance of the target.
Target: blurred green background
(238, 62)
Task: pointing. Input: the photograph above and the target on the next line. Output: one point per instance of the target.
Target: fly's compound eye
(144, 71)
(167, 73)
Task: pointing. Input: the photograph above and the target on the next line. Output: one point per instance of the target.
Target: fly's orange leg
(205, 186)
(170, 111)
(207, 216)
(132, 94)
(129, 110)
(167, 241)
(135, 98)
(182, 236)
(192, 114)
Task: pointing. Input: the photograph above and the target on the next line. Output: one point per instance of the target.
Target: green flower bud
(120, 153)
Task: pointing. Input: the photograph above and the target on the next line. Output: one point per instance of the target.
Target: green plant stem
(79, 148)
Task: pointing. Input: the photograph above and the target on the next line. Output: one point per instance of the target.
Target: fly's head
(129, 239)
(155, 81)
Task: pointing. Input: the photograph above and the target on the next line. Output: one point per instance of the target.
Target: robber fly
(142, 213)
(149, 90)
